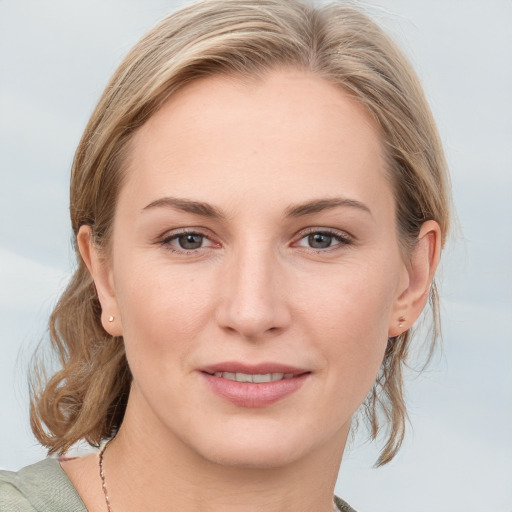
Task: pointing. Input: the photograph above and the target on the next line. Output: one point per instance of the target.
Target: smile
(256, 377)
(254, 385)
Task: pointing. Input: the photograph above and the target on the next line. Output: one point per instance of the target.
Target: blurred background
(55, 59)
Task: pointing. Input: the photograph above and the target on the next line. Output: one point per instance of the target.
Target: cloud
(26, 283)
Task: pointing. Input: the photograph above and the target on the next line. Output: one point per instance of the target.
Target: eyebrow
(298, 210)
(319, 205)
(188, 206)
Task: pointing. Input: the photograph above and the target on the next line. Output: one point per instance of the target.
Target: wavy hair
(86, 398)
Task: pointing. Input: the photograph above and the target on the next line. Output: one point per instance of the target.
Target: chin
(252, 456)
(258, 446)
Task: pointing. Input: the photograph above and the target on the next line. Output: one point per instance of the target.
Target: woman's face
(254, 240)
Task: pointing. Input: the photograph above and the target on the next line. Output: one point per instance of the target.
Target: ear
(101, 272)
(421, 269)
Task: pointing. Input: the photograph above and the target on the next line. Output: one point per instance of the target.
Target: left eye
(321, 240)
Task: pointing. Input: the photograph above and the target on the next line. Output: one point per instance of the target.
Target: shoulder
(343, 506)
(41, 487)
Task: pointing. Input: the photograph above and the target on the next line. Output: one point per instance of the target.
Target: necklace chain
(104, 483)
(102, 476)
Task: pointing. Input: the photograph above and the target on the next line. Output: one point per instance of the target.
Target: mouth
(254, 386)
(254, 377)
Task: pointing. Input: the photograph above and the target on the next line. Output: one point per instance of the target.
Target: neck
(156, 470)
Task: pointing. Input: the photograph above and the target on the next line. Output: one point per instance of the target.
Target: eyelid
(170, 235)
(344, 238)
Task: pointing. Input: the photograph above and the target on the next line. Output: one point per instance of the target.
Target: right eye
(320, 240)
(190, 241)
(186, 242)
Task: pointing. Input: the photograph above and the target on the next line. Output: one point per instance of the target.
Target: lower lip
(250, 394)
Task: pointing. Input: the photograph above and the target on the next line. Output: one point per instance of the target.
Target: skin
(254, 291)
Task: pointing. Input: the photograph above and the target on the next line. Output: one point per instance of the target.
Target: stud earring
(401, 319)
(110, 318)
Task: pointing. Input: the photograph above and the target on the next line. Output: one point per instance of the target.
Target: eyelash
(166, 241)
(342, 240)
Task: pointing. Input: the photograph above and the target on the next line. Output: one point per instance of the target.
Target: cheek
(353, 298)
(349, 318)
(162, 310)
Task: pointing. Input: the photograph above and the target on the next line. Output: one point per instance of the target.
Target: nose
(253, 301)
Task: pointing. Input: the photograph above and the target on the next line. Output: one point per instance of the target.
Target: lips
(254, 386)
(258, 378)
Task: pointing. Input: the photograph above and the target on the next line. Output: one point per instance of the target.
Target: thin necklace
(104, 483)
(102, 476)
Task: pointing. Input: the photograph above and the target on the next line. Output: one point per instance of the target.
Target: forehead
(289, 131)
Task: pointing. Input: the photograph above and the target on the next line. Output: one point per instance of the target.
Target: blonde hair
(86, 398)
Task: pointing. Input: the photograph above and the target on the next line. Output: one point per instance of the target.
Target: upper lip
(252, 369)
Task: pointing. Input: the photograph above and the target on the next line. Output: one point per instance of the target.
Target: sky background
(55, 59)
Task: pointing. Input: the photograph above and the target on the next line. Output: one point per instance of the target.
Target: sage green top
(45, 487)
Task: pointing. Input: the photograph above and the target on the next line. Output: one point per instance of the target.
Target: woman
(259, 202)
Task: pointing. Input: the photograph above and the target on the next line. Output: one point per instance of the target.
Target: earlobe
(423, 264)
(101, 272)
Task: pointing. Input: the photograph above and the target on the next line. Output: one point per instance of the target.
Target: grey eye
(190, 241)
(320, 240)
